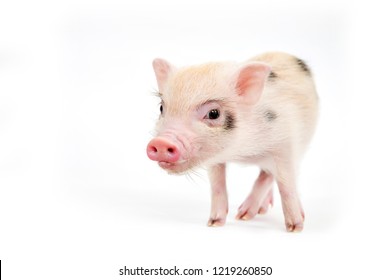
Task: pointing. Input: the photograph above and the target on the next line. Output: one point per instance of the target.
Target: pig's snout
(163, 150)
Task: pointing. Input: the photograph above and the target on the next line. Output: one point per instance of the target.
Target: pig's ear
(250, 81)
(162, 69)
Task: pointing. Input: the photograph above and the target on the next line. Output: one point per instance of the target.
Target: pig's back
(284, 66)
(291, 96)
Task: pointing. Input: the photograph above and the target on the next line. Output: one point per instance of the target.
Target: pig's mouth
(174, 167)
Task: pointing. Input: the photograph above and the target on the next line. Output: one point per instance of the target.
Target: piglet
(262, 112)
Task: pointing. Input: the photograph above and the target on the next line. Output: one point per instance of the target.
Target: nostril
(171, 150)
(153, 149)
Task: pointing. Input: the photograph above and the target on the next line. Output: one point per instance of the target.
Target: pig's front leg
(219, 200)
(292, 208)
(259, 199)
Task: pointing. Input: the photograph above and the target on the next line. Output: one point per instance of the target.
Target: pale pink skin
(271, 126)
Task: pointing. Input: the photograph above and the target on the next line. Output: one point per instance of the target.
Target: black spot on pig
(270, 115)
(303, 66)
(229, 121)
(272, 76)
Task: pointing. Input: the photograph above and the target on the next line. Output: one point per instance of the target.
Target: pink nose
(161, 149)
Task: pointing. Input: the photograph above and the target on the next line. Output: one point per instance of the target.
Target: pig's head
(201, 107)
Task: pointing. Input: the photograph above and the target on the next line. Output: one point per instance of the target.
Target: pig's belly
(264, 162)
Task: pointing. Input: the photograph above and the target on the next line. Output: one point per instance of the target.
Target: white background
(79, 198)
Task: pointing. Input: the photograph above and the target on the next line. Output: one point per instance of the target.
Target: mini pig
(262, 112)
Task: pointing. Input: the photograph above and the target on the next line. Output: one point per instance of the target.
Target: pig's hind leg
(259, 198)
(219, 199)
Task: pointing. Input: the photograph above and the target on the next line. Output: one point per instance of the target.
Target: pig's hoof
(250, 207)
(295, 225)
(245, 213)
(298, 227)
(263, 210)
(216, 222)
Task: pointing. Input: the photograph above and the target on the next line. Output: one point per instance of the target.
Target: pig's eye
(213, 114)
(161, 109)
